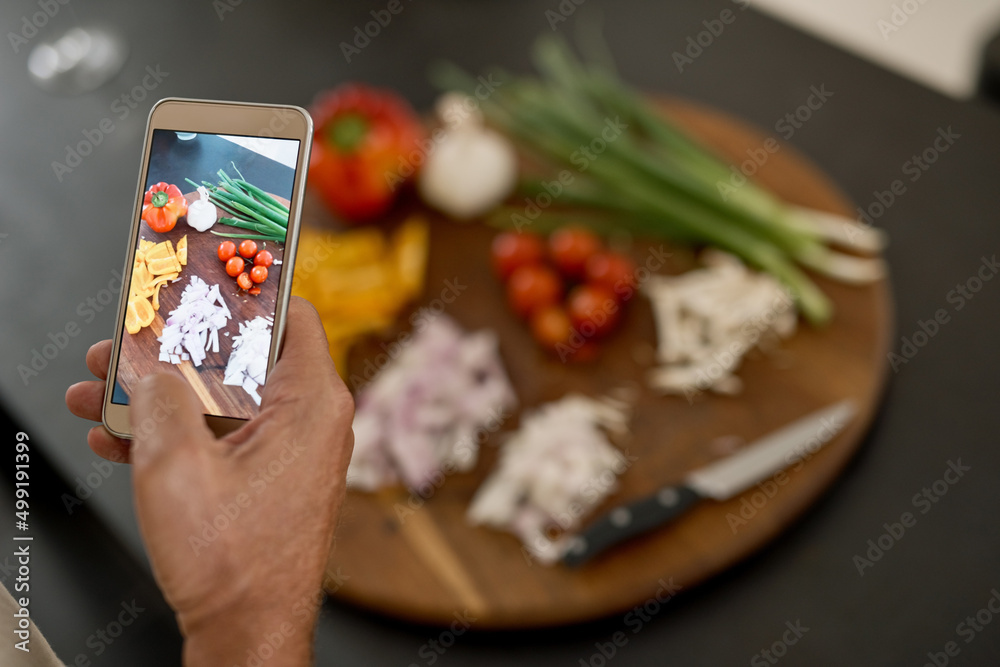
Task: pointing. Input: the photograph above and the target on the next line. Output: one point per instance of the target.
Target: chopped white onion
(553, 471)
(247, 366)
(191, 326)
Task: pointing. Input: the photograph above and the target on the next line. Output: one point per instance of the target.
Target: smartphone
(211, 254)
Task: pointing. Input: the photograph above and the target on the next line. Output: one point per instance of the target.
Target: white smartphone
(211, 254)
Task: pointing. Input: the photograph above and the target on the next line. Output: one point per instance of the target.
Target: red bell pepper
(161, 207)
(367, 143)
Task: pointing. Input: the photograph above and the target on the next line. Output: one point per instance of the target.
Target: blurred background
(899, 71)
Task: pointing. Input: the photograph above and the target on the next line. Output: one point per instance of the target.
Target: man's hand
(238, 529)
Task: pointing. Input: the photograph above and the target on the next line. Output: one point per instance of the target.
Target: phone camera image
(206, 266)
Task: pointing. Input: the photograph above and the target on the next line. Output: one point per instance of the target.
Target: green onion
(256, 226)
(652, 177)
(262, 196)
(255, 237)
(250, 207)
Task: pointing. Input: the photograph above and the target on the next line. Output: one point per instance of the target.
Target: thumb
(166, 418)
(304, 365)
(173, 477)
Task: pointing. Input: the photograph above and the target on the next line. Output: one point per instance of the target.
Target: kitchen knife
(719, 481)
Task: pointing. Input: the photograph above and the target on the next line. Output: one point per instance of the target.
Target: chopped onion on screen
(247, 365)
(193, 327)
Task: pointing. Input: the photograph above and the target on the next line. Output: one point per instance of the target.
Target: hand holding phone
(222, 518)
(211, 254)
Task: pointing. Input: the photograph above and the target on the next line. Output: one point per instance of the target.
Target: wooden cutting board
(141, 351)
(428, 564)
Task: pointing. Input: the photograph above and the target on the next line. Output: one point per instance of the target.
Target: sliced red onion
(427, 410)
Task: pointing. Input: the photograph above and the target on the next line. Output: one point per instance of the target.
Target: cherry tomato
(593, 310)
(263, 258)
(227, 250)
(513, 249)
(254, 290)
(244, 281)
(551, 327)
(570, 248)
(258, 274)
(235, 266)
(586, 352)
(248, 248)
(531, 287)
(613, 271)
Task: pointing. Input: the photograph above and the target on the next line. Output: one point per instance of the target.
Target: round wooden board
(428, 564)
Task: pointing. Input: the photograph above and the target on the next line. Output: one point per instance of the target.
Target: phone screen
(206, 266)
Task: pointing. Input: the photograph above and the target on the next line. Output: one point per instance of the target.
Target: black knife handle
(628, 521)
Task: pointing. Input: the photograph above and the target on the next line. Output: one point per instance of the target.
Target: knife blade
(720, 480)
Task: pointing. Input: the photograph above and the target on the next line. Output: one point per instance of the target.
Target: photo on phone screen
(202, 296)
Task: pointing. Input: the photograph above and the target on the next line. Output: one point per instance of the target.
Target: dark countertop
(61, 240)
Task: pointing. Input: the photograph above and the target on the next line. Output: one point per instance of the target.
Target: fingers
(167, 419)
(86, 399)
(305, 365)
(305, 340)
(98, 359)
(108, 446)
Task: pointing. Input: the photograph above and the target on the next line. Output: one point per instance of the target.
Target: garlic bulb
(471, 168)
(201, 214)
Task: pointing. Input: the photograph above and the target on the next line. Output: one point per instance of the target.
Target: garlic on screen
(201, 213)
(471, 168)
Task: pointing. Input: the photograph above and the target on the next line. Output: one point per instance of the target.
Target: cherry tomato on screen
(248, 248)
(244, 281)
(227, 250)
(258, 274)
(235, 266)
(531, 287)
(263, 258)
